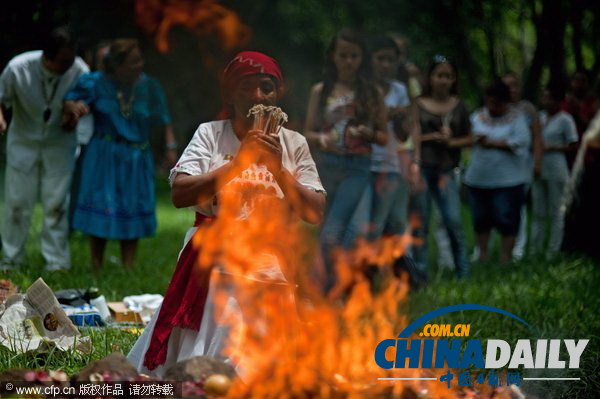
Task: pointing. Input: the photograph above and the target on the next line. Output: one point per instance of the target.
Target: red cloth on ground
(183, 305)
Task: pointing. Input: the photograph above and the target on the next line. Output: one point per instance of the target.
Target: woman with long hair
(440, 129)
(345, 115)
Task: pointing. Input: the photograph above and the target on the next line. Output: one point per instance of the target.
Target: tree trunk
(575, 20)
(550, 49)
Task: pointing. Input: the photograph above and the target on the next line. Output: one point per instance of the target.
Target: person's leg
(520, 246)
(539, 197)
(397, 220)
(385, 189)
(352, 179)
(482, 219)
(128, 252)
(418, 213)
(97, 247)
(55, 183)
(556, 190)
(20, 193)
(360, 223)
(450, 210)
(507, 203)
(507, 243)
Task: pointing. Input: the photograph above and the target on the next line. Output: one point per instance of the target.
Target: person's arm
(188, 190)
(519, 138)
(307, 203)
(171, 146)
(496, 144)
(560, 148)
(415, 131)
(3, 124)
(6, 94)
(537, 143)
(466, 138)
(77, 100)
(72, 112)
(313, 136)
(379, 135)
(570, 137)
(461, 142)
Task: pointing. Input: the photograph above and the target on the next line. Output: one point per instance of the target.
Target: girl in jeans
(440, 129)
(560, 135)
(345, 116)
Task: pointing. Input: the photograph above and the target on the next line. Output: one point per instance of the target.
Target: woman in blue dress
(116, 199)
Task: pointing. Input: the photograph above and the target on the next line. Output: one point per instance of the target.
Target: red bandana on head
(248, 63)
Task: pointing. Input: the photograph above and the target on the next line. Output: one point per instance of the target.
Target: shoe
(54, 267)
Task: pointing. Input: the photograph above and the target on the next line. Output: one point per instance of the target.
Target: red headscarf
(248, 63)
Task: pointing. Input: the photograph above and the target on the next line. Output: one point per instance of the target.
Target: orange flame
(285, 339)
(204, 17)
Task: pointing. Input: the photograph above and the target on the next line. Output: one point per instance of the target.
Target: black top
(438, 155)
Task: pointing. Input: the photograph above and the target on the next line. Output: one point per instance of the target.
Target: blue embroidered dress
(116, 199)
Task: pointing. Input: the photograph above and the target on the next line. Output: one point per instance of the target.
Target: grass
(154, 266)
(559, 298)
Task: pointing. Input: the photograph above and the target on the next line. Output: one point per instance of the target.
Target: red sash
(184, 301)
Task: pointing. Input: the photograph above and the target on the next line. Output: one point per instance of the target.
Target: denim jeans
(443, 188)
(390, 203)
(381, 210)
(345, 178)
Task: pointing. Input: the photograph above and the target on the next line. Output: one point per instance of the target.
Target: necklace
(48, 99)
(126, 106)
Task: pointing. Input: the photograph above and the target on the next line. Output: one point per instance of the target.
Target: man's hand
(262, 148)
(72, 111)
(327, 142)
(366, 133)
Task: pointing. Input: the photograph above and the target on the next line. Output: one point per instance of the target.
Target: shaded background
(187, 42)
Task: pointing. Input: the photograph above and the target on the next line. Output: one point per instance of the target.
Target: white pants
(547, 198)
(21, 192)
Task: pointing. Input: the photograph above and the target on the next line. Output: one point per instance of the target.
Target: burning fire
(204, 17)
(287, 340)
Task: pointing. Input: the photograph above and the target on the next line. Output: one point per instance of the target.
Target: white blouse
(214, 144)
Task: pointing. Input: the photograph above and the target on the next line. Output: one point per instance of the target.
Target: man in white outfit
(40, 149)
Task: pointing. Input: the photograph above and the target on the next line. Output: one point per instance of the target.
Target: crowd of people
(388, 142)
(382, 149)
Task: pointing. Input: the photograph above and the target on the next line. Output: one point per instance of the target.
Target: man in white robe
(40, 152)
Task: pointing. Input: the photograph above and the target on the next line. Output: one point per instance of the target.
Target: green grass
(154, 266)
(559, 298)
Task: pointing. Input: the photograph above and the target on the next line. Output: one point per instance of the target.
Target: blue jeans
(390, 203)
(382, 209)
(443, 188)
(345, 178)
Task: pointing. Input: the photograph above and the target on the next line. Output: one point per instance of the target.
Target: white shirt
(25, 85)
(214, 144)
(559, 129)
(496, 168)
(385, 158)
